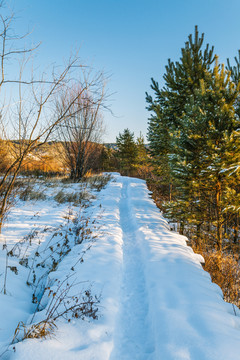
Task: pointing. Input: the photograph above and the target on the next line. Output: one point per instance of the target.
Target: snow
(156, 301)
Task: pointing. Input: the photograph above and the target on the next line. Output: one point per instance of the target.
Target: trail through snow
(133, 334)
(157, 302)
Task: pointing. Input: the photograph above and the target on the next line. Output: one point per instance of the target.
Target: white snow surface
(157, 303)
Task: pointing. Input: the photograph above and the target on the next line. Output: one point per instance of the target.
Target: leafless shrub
(64, 299)
(80, 133)
(16, 251)
(79, 230)
(62, 304)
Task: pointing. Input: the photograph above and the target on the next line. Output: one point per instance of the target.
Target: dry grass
(76, 198)
(98, 182)
(41, 330)
(225, 272)
(30, 194)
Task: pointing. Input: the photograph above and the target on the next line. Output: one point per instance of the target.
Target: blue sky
(130, 40)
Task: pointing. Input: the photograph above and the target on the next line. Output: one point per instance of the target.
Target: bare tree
(81, 132)
(31, 118)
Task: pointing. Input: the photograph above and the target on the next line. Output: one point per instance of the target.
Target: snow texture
(156, 300)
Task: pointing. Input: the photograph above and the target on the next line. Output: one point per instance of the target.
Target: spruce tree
(127, 151)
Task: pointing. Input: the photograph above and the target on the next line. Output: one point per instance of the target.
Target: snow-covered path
(169, 309)
(133, 333)
(157, 301)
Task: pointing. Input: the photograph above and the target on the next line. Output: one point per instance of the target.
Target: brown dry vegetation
(43, 159)
(4, 155)
(225, 272)
(48, 158)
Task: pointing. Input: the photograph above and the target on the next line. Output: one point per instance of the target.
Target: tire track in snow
(133, 338)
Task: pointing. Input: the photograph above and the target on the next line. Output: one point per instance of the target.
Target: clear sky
(130, 40)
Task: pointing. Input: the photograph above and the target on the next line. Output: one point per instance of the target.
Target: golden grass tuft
(225, 272)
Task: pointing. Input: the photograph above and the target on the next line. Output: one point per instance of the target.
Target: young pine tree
(207, 148)
(194, 127)
(127, 152)
(181, 78)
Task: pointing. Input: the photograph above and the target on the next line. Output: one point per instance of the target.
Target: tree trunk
(170, 192)
(236, 225)
(181, 228)
(7, 193)
(219, 217)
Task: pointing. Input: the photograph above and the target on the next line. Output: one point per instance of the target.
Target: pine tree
(142, 156)
(194, 128)
(181, 78)
(127, 151)
(206, 145)
(218, 96)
